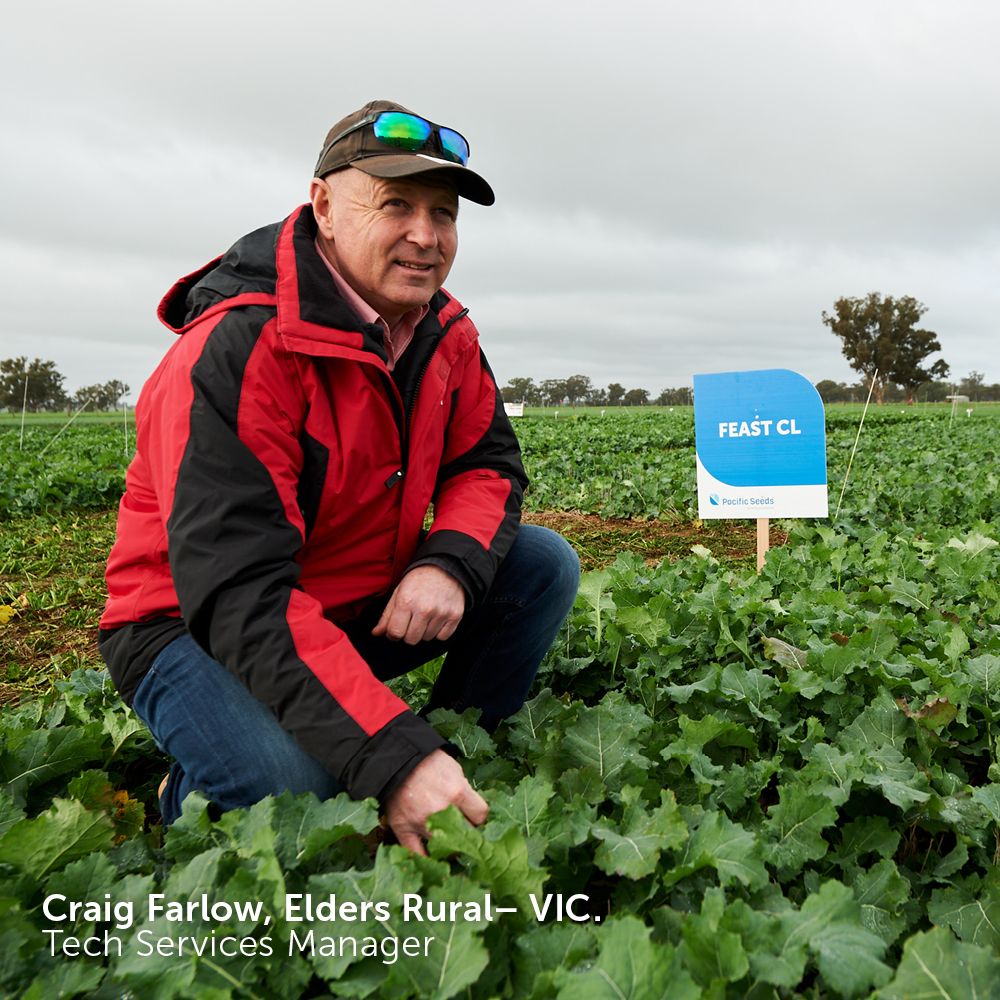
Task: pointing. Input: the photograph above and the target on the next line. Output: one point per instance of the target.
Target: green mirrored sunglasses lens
(454, 146)
(401, 130)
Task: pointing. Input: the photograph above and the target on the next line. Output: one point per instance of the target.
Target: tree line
(578, 390)
(973, 385)
(38, 387)
(879, 338)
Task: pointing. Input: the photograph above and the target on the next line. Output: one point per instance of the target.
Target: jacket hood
(278, 266)
(248, 267)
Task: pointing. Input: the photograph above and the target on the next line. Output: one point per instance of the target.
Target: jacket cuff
(453, 567)
(390, 755)
(478, 566)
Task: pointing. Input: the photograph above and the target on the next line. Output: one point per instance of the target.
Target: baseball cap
(426, 149)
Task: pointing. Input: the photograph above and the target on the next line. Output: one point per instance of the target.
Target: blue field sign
(760, 438)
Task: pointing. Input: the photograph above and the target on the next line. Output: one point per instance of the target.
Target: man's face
(393, 241)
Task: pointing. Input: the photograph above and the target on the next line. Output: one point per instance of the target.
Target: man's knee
(550, 562)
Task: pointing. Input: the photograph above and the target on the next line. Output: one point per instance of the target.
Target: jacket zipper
(400, 473)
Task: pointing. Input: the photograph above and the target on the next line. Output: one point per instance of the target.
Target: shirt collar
(362, 309)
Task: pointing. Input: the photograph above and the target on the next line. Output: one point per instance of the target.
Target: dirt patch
(598, 540)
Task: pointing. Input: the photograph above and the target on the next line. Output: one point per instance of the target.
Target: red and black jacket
(281, 481)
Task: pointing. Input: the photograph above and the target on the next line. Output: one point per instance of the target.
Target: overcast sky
(681, 188)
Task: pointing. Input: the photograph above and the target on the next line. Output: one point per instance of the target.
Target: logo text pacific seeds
(741, 501)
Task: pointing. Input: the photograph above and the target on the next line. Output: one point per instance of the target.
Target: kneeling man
(271, 568)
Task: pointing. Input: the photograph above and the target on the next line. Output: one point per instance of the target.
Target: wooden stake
(763, 540)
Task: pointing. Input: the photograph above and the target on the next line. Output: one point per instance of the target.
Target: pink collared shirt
(398, 338)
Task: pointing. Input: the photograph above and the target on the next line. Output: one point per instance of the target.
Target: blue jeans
(228, 745)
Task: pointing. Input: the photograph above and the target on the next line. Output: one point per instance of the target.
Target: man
(271, 569)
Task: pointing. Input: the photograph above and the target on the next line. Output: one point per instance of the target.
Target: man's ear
(322, 203)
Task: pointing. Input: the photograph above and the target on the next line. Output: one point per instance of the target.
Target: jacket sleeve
(225, 458)
(481, 482)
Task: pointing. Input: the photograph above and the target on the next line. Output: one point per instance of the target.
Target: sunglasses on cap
(409, 132)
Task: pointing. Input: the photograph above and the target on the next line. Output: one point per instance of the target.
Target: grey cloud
(680, 187)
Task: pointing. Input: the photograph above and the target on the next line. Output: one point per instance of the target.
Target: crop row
(909, 465)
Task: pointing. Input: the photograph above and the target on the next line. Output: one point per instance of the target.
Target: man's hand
(427, 604)
(434, 784)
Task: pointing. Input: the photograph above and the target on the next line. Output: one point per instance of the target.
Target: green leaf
(848, 955)
(635, 851)
(396, 873)
(973, 915)
(535, 724)
(87, 879)
(706, 681)
(65, 980)
(462, 730)
(19, 943)
(584, 782)
(723, 732)
(120, 725)
(455, 959)
(547, 948)
(881, 724)
(743, 782)
(630, 966)
(606, 738)
(974, 544)
(643, 626)
(303, 825)
(828, 929)
(45, 754)
(86, 690)
(911, 594)
(985, 673)
(752, 687)
(868, 835)
(527, 807)
(61, 834)
(708, 951)
(988, 796)
(835, 770)
(898, 778)
(937, 967)
(733, 851)
(9, 812)
(796, 824)
(501, 865)
(777, 954)
(592, 600)
(881, 891)
(194, 831)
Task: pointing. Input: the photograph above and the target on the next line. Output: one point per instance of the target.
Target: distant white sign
(514, 409)
(760, 439)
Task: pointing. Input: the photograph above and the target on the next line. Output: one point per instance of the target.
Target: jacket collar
(278, 266)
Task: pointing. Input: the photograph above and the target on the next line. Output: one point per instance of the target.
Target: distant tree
(102, 396)
(553, 391)
(577, 387)
(521, 390)
(972, 385)
(637, 397)
(615, 393)
(597, 396)
(44, 388)
(833, 392)
(878, 336)
(674, 397)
